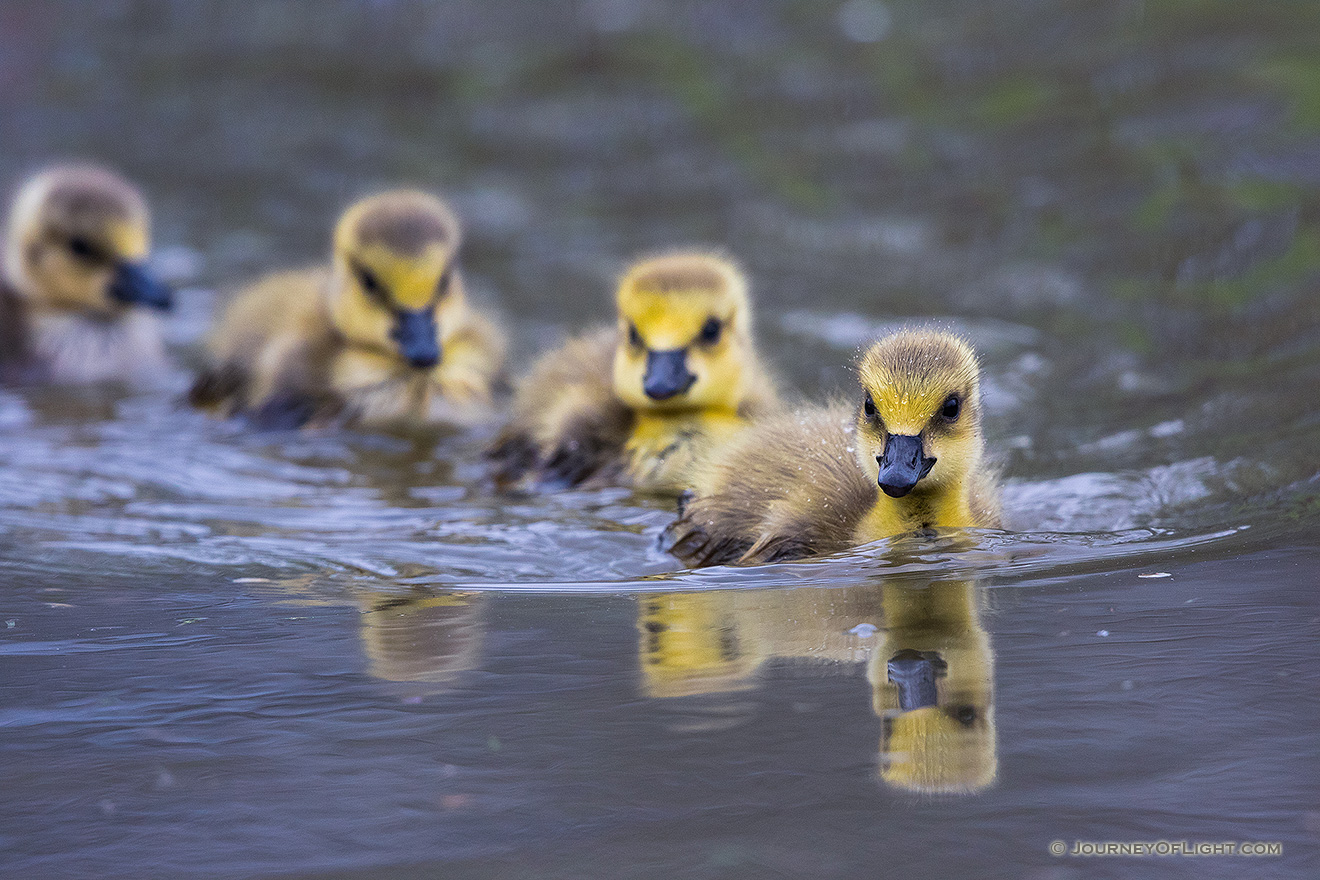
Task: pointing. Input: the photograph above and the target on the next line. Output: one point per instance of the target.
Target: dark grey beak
(418, 337)
(903, 465)
(134, 286)
(666, 374)
(915, 677)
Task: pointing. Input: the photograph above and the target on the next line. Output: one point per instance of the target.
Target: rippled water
(340, 655)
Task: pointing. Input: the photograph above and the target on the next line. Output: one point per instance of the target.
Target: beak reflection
(923, 648)
(914, 676)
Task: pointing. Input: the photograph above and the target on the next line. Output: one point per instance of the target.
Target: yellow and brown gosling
(639, 403)
(909, 457)
(76, 303)
(383, 336)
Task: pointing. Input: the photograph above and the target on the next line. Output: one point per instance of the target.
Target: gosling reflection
(925, 653)
(422, 636)
(695, 643)
(932, 680)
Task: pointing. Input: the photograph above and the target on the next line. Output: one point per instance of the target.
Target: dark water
(225, 654)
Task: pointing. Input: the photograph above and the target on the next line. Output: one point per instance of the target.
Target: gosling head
(396, 276)
(684, 333)
(919, 425)
(77, 239)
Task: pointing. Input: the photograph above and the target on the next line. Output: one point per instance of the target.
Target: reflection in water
(926, 655)
(695, 643)
(423, 636)
(932, 681)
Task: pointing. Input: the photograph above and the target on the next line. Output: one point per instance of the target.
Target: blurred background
(336, 653)
(1136, 185)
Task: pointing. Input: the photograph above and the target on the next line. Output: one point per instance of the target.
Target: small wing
(216, 388)
(16, 362)
(290, 408)
(788, 487)
(270, 350)
(567, 425)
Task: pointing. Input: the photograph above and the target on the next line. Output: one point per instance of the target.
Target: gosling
(382, 337)
(76, 303)
(640, 403)
(910, 457)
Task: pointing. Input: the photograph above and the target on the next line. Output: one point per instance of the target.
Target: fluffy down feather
(787, 487)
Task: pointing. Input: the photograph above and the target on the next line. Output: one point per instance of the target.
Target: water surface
(340, 655)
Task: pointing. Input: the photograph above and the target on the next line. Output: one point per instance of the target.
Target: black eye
(710, 331)
(634, 337)
(951, 408)
(964, 715)
(370, 283)
(84, 249)
(442, 286)
(868, 405)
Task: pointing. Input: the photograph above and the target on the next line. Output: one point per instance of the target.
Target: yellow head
(76, 240)
(919, 425)
(685, 339)
(395, 275)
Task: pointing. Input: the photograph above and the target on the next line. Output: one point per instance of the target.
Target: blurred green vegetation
(1297, 80)
(1136, 144)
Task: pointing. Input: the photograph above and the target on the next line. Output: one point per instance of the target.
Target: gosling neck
(678, 421)
(945, 506)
